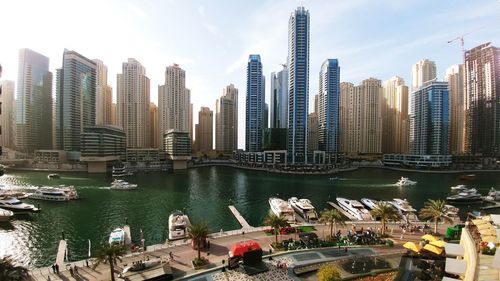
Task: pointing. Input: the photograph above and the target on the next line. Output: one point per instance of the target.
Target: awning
(429, 238)
(455, 266)
(488, 232)
(412, 247)
(479, 221)
(484, 226)
(433, 249)
(489, 238)
(438, 243)
(452, 249)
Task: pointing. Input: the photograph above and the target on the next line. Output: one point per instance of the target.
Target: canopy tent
(438, 243)
(484, 226)
(452, 249)
(478, 221)
(487, 232)
(433, 249)
(489, 238)
(240, 248)
(455, 266)
(412, 247)
(429, 238)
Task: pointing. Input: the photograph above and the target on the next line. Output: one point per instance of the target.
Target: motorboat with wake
(61, 193)
(458, 187)
(468, 196)
(118, 184)
(53, 176)
(405, 182)
(355, 208)
(117, 236)
(178, 224)
(304, 208)
(18, 207)
(5, 215)
(407, 212)
(369, 203)
(281, 208)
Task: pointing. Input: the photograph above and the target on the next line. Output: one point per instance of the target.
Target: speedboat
(178, 225)
(404, 209)
(304, 208)
(122, 185)
(53, 176)
(458, 187)
(282, 208)
(5, 215)
(61, 193)
(468, 177)
(18, 207)
(354, 208)
(469, 196)
(117, 236)
(405, 182)
(451, 211)
(369, 203)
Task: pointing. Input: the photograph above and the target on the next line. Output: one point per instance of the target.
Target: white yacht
(117, 236)
(451, 211)
(13, 204)
(61, 193)
(492, 194)
(12, 193)
(122, 185)
(355, 208)
(404, 209)
(405, 182)
(466, 196)
(282, 208)
(304, 208)
(458, 187)
(369, 203)
(5, 215)
(53, 176)
(178, 225)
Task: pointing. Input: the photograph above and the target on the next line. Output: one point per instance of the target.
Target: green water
(203, 193)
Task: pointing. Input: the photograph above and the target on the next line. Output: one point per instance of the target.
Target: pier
(239, 217)
(128, 239)
(349, 216)
(61, 252)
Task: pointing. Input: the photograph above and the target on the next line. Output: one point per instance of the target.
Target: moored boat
(304, 208)
(407, 212)
(451, 211)
(5, 215)
(178, 224)
(469, 196)
(15, 205)
(355, 208)
(369, 203)
(282, 208)
(117, 236)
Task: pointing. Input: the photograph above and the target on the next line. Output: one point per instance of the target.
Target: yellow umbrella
(433, 249)
(489, 238)
(479, 221)
(429, 238)
(438, 243)
(412, 247)
(484, 226)
(488, 232)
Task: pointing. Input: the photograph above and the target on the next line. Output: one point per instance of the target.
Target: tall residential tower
(422, 71)
(254, 110)
(328, 106)
(226, 120)
(395, 122)
(279, 98)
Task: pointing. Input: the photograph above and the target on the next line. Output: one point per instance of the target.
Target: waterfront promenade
(220, 243)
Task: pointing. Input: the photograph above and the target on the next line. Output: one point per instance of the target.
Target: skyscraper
(298, 84)
(395, 122)
(153, 121)
(455, 78)
(174, 102)
(204, 130)
(75, 99)
(312, 134)
(254, 104)
(349, 119)
(104, 95)
(482, 86)
(328, 107)
(370, 98)
(422, 71)
(279, 98)
(114, 114)
(429, 119)
(7, 113)
(226, 120)
(33, 122)
(133, 104)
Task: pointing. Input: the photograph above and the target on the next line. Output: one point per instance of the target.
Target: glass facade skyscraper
(279, 98)
(298, 85)
(254, 105)
(328, 105)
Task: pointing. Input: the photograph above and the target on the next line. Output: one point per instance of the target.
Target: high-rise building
(429, 119)
(316, 103)
(279, 98)
(174, 102)
(133, 104)
(370, 97)
(349, 119)
(312, 134)
(153, 122)
(104, 95)
(265, 117)
(455, 78)
(395, 122)
(75, 99)
(422, 71)
(204, 130)
(33, 121)
(255, 100)
(482, 87)
(328, 107)
(298, 84)
(7, 113)
(226, 120)
(114, 114)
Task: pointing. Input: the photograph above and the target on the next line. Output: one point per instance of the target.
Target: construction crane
(461, 38)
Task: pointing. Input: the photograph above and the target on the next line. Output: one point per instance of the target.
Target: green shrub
(328, 273)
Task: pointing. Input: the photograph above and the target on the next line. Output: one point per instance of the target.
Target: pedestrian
(57, 268)
(71, 272)
(76, 269)
(208, 244)
(87, 263)
(171, 256)
(54, 268)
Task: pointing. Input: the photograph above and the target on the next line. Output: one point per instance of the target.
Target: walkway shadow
(217, 250)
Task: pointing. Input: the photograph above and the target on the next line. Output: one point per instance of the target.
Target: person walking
(57, 268)
(54, 268)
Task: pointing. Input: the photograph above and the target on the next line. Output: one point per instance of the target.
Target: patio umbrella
(484, 226)
(433, 249)
(489, 238)
(412, 247)
(479, 221)
(488, 232)
(429, 238)
(438, 243)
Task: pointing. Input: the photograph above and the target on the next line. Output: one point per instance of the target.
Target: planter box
(197, 267)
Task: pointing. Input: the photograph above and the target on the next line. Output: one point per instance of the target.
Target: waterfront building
(50, 156)
(7, 104)
(370, 97)
(455, 78)
(298, 85)
(422, 71)
(133, 101)
(177, 145)
(204, 130)
(104, 95)
(429, 119)
(146, 159)
(395, 122)
(417, 161)
(114, 114)
(226, 120)
(255, 99)
(328, 108)
(279, 98)
(102, 145)
(274, 139)
(75, 101)
(349, 119)
(174, 102)
(33, 116)
(482, 89)
(153, 121)
(312, 134)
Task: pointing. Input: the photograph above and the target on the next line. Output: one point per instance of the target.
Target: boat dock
(61, 252)
(128, 237)
(349, 216)
(239, 217)
(494, 206)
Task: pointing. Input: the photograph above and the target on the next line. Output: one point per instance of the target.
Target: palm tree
(275, 222)
(385, 212)
(331, 217)
(109, 253)
(11, 272)
(198, 232)
(435, 210)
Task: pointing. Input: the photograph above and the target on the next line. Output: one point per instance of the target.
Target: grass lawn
(307, 228)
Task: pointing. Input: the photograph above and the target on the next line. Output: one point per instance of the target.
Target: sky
(211, 40)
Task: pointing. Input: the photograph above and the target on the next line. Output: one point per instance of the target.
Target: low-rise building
(417, 161)
(177, 146)
(102, 145)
